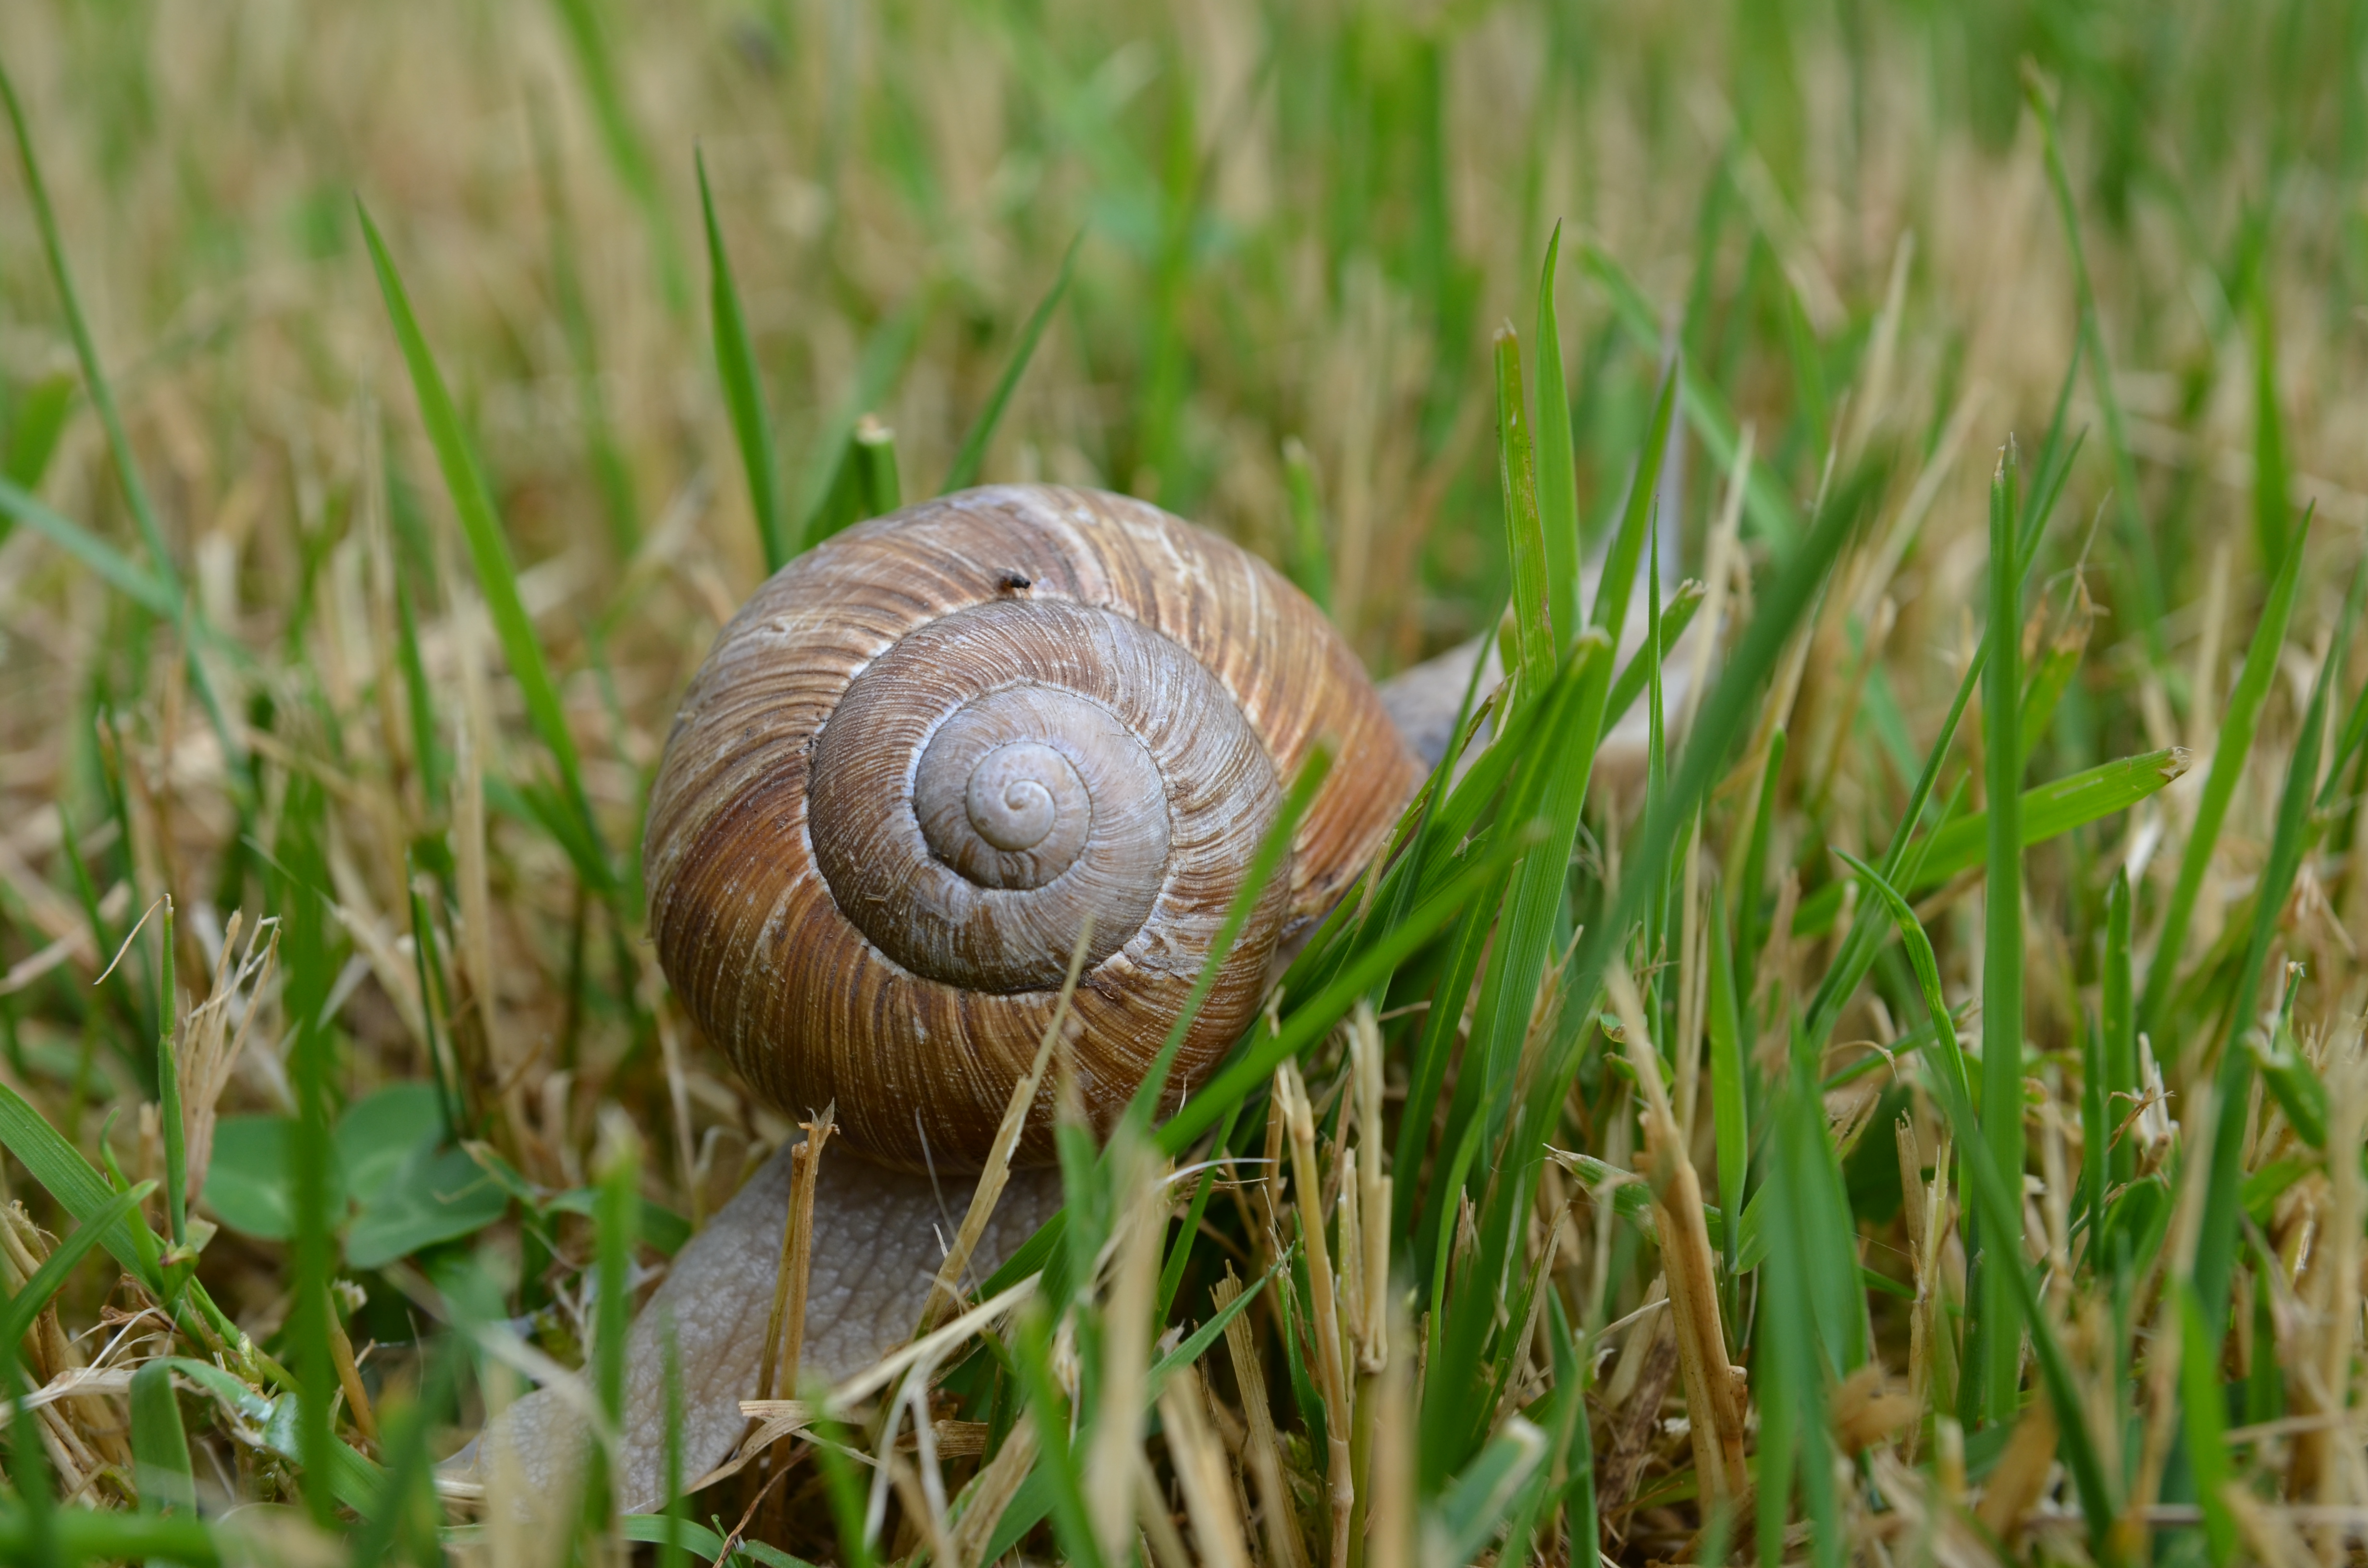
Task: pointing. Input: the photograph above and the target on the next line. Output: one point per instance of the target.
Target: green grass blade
(192, 625)
(2117, 1020)
(1480, 1496)
(160, 1445)
(2354, 732)
(1656, 743)
(88, 1535)
(105, 561)
(18, 1316)
(102, 392)
(1571, 1371)
(2204, 1408)
(2229, 754)
(2049, 810)
(1754, 884)
(1795, 1438)
(307, 959)
(1988, 1189)
(620, 1209)
(1557, 461)
(1551, 788)
(1676, 614)
(744, 391)
(844, 1489)
(1862, 946)
(972, 455)
(1249, 1069)
(2131, 524)
(627, 148)
(38, 424)
(1772, 514)
(1618, 584)
(2096, 1137)
(413, 570)
(1524, 535)
(873, 448)
(427, 964)
(1266, 861)
(489, 552)
(408, 1428)
(1428, 1076)
(613, 476)
(168, 1091)
(2002, 1106)
(1311, 560)
(2217, 1239)
(883, 360)
(65, 1176)
(2269, 471)
(1724, 716)
(1071, 1520)
(1171, 1272)
(1196, 1345)
(1729, 1101)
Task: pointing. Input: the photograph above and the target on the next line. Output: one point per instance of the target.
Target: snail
(909, 768)
(1020, 701)
(929, 752)
(920, 767)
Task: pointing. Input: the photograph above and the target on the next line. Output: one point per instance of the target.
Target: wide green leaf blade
(431, 1198)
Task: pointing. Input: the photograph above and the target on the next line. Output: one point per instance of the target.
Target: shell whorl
(1095, 750)
(925, 753)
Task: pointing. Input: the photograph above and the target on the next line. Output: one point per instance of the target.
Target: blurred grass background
(1295, 229)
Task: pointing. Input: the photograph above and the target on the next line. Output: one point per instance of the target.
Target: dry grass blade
(1718, 1426)
(1278, 1514)
(1164, 1540)
(1201, 1472)
(945, 1292)
(211, 1047)
(1375, 1196)
(1115, 1454)
(990, 1492)
(785, 1328)
(2022, 1473)
(1307, 1190)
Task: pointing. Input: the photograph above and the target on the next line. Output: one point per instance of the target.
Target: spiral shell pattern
(925, 754)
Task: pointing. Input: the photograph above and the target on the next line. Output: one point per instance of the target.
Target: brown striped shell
(924, 752)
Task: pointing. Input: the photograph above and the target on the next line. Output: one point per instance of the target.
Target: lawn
(1839, 1064)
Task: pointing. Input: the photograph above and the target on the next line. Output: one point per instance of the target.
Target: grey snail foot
(1423, 703)
(877, 1244)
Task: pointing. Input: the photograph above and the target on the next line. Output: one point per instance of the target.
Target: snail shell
(925, 753)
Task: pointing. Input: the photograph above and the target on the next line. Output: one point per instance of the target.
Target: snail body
(927, 754)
